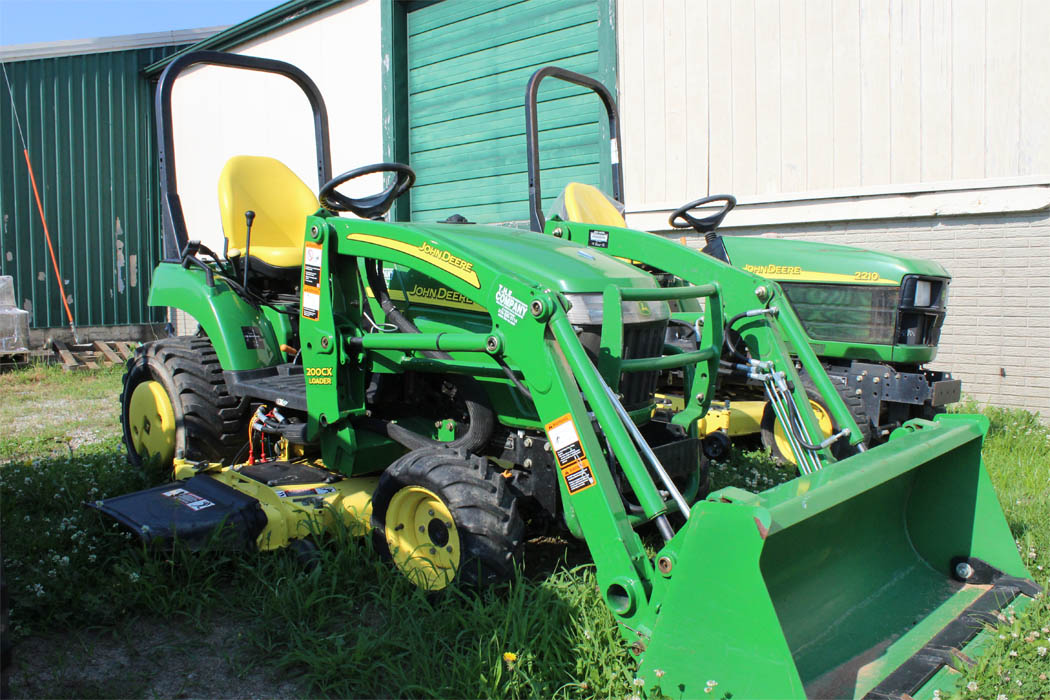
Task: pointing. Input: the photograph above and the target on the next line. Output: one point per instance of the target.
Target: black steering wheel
(708, 223)
(373, 206)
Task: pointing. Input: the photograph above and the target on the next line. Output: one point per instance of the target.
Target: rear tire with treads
(176, 386)
(445, 516)
(772, 431)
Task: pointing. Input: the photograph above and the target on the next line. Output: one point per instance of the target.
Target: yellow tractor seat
(281, 202)
(587, 204)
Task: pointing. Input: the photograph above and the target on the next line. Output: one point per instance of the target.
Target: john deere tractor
(328, 387)
(872, 318)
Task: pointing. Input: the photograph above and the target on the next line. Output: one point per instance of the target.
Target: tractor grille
(639, 340)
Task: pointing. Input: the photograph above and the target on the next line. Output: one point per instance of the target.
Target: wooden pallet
(93, 355)
(13, 359)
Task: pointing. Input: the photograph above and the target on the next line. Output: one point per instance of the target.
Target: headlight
(587, 310)
(922, 293)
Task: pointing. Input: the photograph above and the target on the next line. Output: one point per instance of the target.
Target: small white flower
(971, 686)
(1041, 651)
(712, 684)
(1013, 652)
(1000, 696)
(639, 682)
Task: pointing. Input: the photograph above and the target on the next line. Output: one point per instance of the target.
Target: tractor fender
(241, 334)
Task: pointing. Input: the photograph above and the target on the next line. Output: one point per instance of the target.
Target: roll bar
(536, 218)
(175, 236)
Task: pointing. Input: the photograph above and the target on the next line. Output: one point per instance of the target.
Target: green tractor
(872, 318)
(452, 387)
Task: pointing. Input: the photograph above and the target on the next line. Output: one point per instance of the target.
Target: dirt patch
(147, 658)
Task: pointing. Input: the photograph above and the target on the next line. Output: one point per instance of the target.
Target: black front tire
(210, 424)
(486, 530)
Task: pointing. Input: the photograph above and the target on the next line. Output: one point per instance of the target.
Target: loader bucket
(863, 579)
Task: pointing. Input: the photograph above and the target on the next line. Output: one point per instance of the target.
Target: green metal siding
(468, 64)
(88, 121)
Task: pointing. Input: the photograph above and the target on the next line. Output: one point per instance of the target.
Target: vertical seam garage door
(467, 68)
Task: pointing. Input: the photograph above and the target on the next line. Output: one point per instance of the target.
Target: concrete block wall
(996, 336)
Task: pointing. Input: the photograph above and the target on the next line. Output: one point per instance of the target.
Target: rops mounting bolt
(664, 564)
(963, 570)
(324, 342)
(762, 293)
(538, 308)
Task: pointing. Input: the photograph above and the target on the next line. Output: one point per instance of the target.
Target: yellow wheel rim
(151, 422)
(784, 447)
(422, 537)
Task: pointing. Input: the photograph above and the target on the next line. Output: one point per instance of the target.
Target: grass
(347, 627)
(1017, 662)
(48, 411)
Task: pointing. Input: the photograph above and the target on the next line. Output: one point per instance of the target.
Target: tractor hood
(544, 261)
(786, 260)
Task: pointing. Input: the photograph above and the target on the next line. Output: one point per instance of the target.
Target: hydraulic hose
(482, 420)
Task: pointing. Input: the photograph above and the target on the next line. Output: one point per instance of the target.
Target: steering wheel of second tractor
(708, 223)
(373, 206)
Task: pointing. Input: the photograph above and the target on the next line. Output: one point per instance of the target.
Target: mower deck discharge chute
(448, 386)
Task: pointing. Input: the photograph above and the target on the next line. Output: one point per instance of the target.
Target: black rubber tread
(483, 507)
(210, 423)
(854, 405)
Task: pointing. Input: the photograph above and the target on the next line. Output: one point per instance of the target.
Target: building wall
(88, 123)
(760, 97)
(221, 112)
(913, 126)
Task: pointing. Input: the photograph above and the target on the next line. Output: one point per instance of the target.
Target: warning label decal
(572, 460)
(190, 500)
(311, 280)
